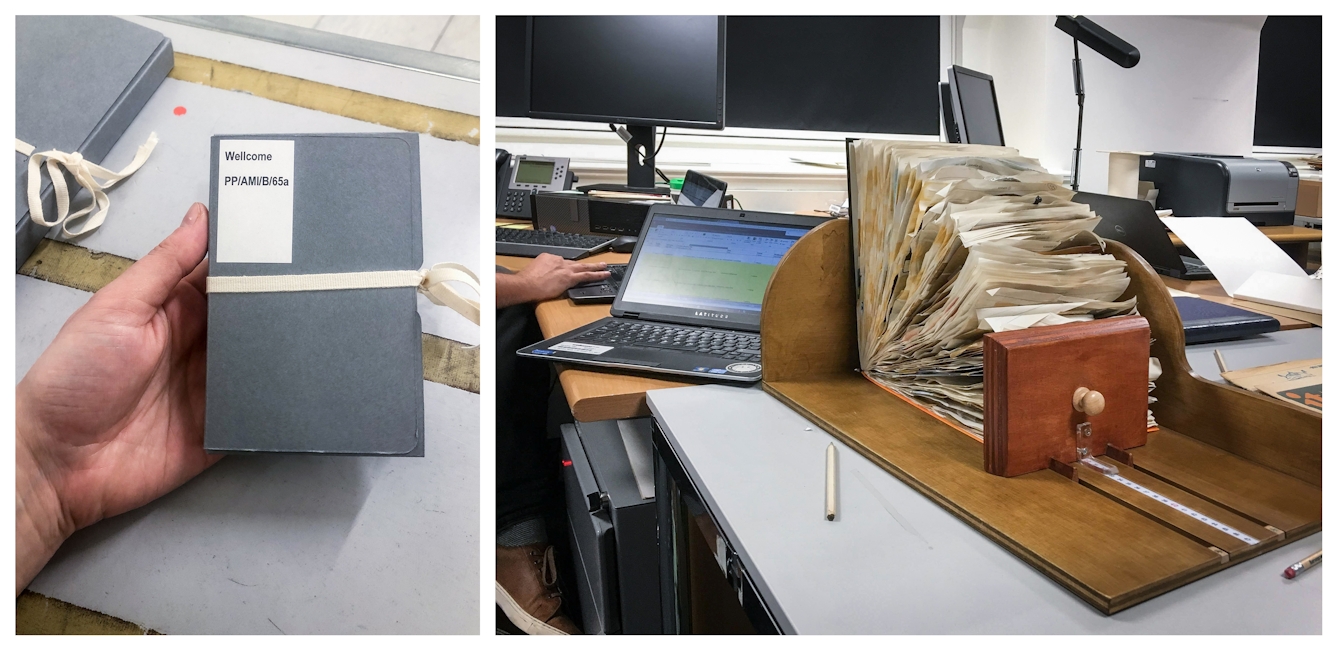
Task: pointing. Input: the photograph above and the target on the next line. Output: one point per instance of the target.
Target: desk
(1295, 240)
(592, 394)
(268, 544)
(894, 562)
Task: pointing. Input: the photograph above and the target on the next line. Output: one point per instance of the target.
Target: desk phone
(520, 176)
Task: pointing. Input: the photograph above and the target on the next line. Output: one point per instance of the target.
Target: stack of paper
(953, 242)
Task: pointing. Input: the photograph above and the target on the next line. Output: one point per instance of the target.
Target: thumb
(145, 286)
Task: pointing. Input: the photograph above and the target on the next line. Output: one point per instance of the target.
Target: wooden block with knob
(1041, 383)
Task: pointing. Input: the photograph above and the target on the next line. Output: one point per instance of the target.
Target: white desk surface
(895, 562)
(270, 543)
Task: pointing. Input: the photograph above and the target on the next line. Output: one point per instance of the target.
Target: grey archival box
(79, 83)
(333, 372)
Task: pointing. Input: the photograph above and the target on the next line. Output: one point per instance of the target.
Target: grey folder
(79, 83)
(335, 372)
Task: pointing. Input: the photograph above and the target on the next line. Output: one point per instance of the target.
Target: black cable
(664, 131)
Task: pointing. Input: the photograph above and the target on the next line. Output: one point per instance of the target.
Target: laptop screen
(707, 264)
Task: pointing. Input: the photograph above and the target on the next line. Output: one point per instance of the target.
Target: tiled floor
(457, 36)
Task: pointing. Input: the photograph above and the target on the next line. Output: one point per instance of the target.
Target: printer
(1204, 185)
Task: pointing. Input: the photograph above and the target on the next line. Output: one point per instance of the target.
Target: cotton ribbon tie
(86, 174)
(433, 283)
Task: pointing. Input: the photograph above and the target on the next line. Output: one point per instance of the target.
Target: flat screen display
(980, 119)
(710, 264)
(648, 70)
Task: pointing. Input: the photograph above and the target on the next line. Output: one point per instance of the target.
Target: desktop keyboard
(726, 344)
(528, 243)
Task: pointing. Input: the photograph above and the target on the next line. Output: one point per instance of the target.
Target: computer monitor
(642, 71)
(974, 106)
(945, 109)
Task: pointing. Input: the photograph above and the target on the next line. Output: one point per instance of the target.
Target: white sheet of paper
(1298, 293)
(1233, 248)
(1024, 321)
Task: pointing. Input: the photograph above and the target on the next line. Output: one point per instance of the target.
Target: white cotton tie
(433, 283)
(86, 174)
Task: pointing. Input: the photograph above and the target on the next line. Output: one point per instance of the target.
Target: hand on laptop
(547, 277)
(111, 416)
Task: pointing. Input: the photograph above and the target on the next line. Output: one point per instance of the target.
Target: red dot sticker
(180, 110)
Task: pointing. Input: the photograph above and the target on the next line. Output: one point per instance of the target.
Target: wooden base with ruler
(1227, 476)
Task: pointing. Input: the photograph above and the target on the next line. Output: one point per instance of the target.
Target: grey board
(79, 82)
(335, 372)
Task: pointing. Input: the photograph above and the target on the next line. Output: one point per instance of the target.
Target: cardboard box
(1308, 198)
(79, 82)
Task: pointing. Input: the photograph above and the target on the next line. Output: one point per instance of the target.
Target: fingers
(587, 266)
(144, 287)
(197, 277)
(588, 276)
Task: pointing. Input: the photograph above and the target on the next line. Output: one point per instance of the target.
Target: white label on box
(588, 349)
(255, 201)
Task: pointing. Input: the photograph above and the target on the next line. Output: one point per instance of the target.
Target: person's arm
(547, 277)
(111, 416)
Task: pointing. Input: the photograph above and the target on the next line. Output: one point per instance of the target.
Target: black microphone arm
(1104, 43)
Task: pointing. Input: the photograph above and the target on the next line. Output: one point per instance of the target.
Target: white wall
(1193, 90)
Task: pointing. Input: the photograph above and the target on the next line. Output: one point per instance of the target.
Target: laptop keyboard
(613, 282)
(1194, 265)
(726, 344)
(549, 238)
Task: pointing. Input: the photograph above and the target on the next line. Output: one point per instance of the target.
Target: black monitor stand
(640, 169)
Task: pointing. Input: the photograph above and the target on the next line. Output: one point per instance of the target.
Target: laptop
(1134, 222)
(691, 300)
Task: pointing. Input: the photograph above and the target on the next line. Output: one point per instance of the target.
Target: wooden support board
(1111, 548)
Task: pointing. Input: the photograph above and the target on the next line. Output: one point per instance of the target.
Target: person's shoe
(527, 590)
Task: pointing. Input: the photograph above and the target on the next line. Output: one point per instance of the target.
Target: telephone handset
(520, 176)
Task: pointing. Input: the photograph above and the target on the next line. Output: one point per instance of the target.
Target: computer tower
(613, 528)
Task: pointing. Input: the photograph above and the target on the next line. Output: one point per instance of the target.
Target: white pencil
(831, 481)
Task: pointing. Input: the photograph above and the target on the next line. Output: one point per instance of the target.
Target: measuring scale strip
(1245, 538)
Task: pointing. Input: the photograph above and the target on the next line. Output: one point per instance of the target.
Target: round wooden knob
(1088, 401)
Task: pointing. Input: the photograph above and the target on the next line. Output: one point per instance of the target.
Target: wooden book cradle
(1245, 461)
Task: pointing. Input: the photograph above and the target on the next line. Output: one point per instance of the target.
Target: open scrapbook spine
(1249, 464)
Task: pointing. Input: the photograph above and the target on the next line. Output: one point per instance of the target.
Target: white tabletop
(895, 562)
(277, 543)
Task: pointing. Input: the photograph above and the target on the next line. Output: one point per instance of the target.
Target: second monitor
(974, 108)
